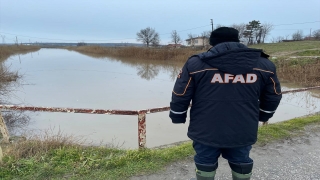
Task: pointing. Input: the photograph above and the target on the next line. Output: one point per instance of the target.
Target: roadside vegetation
(168, 54)
(59, 157)
(297, 62)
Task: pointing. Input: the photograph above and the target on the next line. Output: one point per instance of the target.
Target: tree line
(253, 32)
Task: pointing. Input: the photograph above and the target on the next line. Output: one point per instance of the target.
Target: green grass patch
(91, 163)
(78, 162)
(302, 61)
(274, 48)
(286, 129)
(307, 53)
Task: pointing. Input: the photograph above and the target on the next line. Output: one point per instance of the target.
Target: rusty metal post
(4, 130)
(142, 138)
(1, 154)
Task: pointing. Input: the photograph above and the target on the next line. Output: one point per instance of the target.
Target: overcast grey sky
(119, 21)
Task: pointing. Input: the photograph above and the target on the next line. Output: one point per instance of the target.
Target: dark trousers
(207, 155)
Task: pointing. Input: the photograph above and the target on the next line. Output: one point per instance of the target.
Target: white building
(198, 41)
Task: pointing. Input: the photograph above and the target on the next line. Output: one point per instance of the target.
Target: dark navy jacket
(232, 88)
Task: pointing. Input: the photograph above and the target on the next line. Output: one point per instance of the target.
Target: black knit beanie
(224, 34)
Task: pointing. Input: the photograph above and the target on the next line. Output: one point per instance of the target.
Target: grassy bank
(287, 48)
(37, 160)
(6, 51)
(138, 52)
(297, 62)
(301, 70)
(182, 54)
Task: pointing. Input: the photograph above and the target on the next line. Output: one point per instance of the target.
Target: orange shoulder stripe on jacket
(211, 69)
(274, 87)
(184, 89)
(263, 70)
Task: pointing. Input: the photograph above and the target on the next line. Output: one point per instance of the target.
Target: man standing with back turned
(232, 88)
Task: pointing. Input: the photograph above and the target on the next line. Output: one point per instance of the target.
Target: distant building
(174, 45)
(308, 38)
(198, 41)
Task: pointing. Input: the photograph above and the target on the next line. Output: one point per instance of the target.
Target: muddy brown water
(62, 78)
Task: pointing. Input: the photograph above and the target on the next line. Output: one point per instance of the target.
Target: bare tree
(266, 28)
(287, 36)
(297, 36)
(219, 26)
(205, 35)
(258, 35)
(273, 40)
(148, 36)
(191, 39)
(316, 34)
(175, 37)
(280, 39)
(277, 39)
(3, 39)
(241, 28)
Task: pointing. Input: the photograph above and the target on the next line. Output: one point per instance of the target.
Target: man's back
(227, 83)
(232, 88)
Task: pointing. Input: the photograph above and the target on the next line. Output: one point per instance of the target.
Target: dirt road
(296, 158)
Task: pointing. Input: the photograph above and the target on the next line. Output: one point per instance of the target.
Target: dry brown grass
(6, 79)
(139, 52)
(6, 51)
(39, 143)
(303, 71)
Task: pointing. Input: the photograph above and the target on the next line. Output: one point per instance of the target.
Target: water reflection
(15, 120)
(61, 78)
(148, 71)
(173, 71)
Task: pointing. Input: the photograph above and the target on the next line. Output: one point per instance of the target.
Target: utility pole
(3, 39)
(310, 34)
(211, 24)
(17, 41)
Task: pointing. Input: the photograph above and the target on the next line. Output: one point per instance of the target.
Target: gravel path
(296, 158)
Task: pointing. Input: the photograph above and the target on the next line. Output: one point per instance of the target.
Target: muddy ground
(296, 158)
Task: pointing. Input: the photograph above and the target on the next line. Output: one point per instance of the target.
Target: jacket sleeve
(270, 98)
(181, 96)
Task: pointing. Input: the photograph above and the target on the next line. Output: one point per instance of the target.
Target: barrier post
(142, 129)
(4, 130)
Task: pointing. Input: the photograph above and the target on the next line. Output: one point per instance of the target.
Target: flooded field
(62, 78)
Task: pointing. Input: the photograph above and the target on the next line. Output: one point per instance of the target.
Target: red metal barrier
(301, 89)
(141, 113)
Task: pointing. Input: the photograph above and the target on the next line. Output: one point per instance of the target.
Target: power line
(289, 29)
(296, 23)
